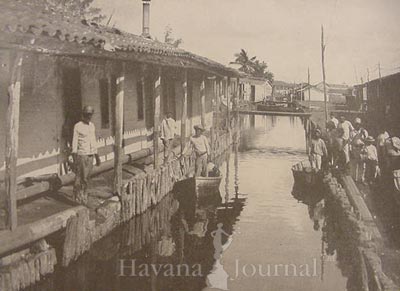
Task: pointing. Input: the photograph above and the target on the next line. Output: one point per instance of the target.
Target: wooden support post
(309, 91)
(12, 134)
(119, 124)
(307, 130)
(184, 111)
(143, 84)
(203, 102)
(228, 101)
(323, 47)
(218, 87)
(157, 112)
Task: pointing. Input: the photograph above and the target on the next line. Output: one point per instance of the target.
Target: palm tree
(260, 70)
(245, 62)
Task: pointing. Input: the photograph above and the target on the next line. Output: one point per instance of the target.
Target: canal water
(258, 232)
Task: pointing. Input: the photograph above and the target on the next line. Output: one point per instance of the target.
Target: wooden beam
(143, 69)
(203, 102)
(12, 134)
(184, 110)
(157, 112)
(119, 124)
(228, 99)
(323, 47)
(29, 233)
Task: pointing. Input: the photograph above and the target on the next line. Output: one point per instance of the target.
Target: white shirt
(372, 153)
(200, 144)
(335, 121)
(168, 128)
(84, 140)
(347, 128)
(382, 138)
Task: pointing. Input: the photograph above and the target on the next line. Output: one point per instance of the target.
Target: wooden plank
(29, 233)
(274, 113)
(355, 198)
(119, 120)
(228, 99)
(184, 111)
(12, 133)
(203, 102)
(157, 112)
(143, 84)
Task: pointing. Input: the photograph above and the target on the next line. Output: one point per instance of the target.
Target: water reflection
(200, 241)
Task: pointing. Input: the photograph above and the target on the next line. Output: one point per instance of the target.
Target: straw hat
(199, 127)
(369, 139)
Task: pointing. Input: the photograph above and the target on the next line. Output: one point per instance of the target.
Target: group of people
(349, 147)
(84, 150)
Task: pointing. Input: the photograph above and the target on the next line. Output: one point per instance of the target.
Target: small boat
(304, 174)
(209, 182)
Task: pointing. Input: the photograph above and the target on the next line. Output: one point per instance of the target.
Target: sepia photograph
(200, 145)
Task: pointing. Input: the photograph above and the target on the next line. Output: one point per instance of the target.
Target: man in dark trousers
(84, 150)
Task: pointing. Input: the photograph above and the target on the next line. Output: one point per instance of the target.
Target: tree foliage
(252, 66)
(79, 8)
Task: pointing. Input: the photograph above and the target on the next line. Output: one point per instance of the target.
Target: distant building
(381, 100)
(336, 94)
(256, 89)
(282, 89)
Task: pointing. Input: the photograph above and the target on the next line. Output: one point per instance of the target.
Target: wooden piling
(203, 102)
(119, 120)
(228, 101)
(157, 112)
(184, 111)
(12, 134)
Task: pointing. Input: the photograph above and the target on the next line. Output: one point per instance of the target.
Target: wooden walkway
(275, 113)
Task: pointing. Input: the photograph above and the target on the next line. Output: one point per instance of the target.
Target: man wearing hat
(345, 127)
(371, 158)
(84, 150)
(318, 151)
(357, 138)
(168, 131)
(199, 144)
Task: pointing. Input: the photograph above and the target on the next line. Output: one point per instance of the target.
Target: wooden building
(53, 64)
(381, 99)
(255, 89)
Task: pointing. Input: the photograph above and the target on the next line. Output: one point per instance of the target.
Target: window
(104, 103)
(140, 100)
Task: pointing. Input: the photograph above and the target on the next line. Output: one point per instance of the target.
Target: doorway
(72, 101)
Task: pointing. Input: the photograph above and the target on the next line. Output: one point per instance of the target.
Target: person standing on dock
(346, 127)
(334, 119)
(381, 140)
(357, 139)
(318, 151)
(199, 144)
(84, 150)
(371, 158)
(168, 131)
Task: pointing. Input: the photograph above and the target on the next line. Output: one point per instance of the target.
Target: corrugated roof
(33, 17)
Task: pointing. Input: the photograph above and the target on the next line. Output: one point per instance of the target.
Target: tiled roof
(34, 18)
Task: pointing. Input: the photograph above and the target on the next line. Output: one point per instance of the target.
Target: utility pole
(367, 74)
(309, 92)
(356, 75)
(379, 70)
(323, 71)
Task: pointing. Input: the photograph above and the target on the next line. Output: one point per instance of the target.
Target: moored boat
(304, 174)
(209, 182)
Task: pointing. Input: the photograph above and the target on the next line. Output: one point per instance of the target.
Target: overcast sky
(283, 33)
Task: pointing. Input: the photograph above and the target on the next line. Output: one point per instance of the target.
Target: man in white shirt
(346, 127)
(334, 119)
(199, 144)
(168, 131)
(84, 150)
